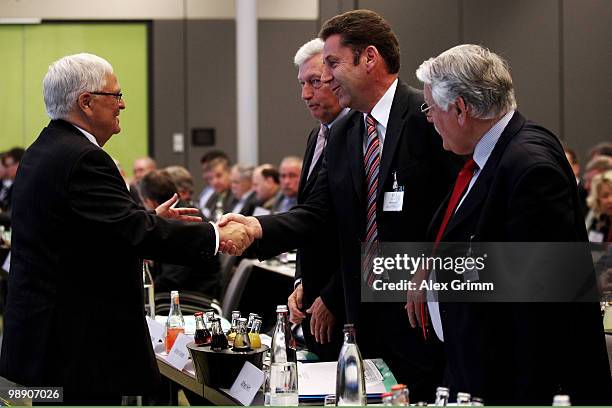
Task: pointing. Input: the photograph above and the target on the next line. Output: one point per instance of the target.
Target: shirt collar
(380, 112)
(487, 143)
(342, 114)
(88, 135)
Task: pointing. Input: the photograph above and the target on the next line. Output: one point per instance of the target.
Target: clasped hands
(236, 232)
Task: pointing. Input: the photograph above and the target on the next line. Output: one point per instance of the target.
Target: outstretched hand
(167, 210)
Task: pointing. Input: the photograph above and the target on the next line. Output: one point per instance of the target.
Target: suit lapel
(354, 146)
(480, 189)
(397, 118)
(305, 184)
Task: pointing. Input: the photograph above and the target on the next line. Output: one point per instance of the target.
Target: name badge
(394, 200)
(595, 236)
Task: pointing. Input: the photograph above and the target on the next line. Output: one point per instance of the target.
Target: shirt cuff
(216, 237)
(297, 282)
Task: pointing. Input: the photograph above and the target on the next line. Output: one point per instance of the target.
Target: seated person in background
(582, 192)
(600, 202)
(595, 166)
(266, 183)
(289, 171)
(205, 160)
(142, 166)
(184, 184)
(205, 277)
(222, 200)
(10, 163)
(601, 149)
(241, 178)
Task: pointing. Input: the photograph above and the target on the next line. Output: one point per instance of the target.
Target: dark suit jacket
(211, 205)
(413, 150)
(250, 203)
(318, 264)
(74, 315)
(203, 277)
(524, 353)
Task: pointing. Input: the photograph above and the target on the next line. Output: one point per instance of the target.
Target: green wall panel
(124, 45)
(11, 87)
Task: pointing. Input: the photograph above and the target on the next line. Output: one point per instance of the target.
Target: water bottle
(350, 378)
(282, 386)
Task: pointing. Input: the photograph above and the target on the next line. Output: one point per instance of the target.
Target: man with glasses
(74, 316)
(516, 187)
(381, 180)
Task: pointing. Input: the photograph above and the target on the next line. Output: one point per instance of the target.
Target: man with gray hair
(74, 316)
(241, 179)
(516, 186)
(317, 300)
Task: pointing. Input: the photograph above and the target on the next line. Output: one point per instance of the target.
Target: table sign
(156, 331)
(179, 355)
(247, 384)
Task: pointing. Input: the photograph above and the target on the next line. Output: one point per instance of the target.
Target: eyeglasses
(118, 96)
(425, 107)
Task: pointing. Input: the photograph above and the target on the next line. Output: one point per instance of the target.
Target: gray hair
(481, 77)
(307, 51)
(245, 172)
(291, 160)
(69, 77)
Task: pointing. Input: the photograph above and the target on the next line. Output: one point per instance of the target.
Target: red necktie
(371, 164)
(463, 180)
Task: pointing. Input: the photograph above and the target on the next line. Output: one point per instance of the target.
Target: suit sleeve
(333, 295)
(300, 225)
(100, 200)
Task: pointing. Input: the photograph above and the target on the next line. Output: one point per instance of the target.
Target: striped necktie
(371, 164)
(321, 143)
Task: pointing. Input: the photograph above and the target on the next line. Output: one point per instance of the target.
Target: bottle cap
(397, 387)
(196, 314)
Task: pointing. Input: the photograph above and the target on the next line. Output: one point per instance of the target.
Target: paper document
(320, 378)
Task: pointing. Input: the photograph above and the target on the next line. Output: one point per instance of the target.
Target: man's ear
(84, 102)
(462, 110)
(371, 57)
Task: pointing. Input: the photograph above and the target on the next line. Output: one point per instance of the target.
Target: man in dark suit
(10, 163)
(517, 186)
(222, 200)
(241, 178)
(74, 316)
(317, 301)
(403, 155)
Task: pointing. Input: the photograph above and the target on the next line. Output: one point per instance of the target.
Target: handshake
(237, 233)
